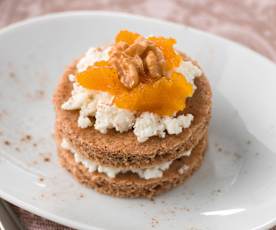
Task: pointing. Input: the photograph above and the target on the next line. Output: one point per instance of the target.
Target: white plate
(235, 188)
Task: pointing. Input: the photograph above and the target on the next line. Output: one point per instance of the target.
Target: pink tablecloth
(250, 22)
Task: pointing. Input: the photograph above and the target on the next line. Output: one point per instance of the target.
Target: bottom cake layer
(130, 184)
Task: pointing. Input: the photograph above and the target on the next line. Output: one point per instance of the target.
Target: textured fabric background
(250, 22)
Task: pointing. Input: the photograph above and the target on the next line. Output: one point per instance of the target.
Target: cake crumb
(40, 93)
(26, 138)
(154, 222)
(46, 159)
(34, 144)
(6, 142)
(12, 75)
(81, 195)
(17, 149)
(36, 95)
(41, 179)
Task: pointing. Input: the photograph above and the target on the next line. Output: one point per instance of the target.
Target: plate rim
(45, 17)
(52, 16)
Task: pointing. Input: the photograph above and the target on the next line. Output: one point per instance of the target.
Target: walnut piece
(138, 47)
(142, 58)
(127, 69)
(121, 46)
(138, 62)
(152, 65)
(160, 59)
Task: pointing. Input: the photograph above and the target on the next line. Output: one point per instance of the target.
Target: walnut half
(127, 70)
(142, 58)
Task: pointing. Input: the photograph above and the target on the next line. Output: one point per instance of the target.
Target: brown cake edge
(135, 160)
(130, 185)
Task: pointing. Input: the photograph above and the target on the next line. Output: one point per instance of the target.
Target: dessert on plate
(132, 117)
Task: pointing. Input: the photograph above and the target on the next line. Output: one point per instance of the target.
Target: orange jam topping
(126, 36)
(163, 96)
(172, 58)
(102, 77)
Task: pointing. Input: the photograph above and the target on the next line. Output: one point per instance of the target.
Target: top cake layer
(136, 83)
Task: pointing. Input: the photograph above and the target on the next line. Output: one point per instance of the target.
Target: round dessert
(132, 117)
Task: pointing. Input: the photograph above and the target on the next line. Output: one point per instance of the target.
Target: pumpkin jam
(164, 96)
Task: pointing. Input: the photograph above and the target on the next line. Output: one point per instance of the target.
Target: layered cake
(132, 117)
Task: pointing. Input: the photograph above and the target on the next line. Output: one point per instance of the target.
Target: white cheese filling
(190, 71)
(149, 173)
(93, 55)
(107, 116)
